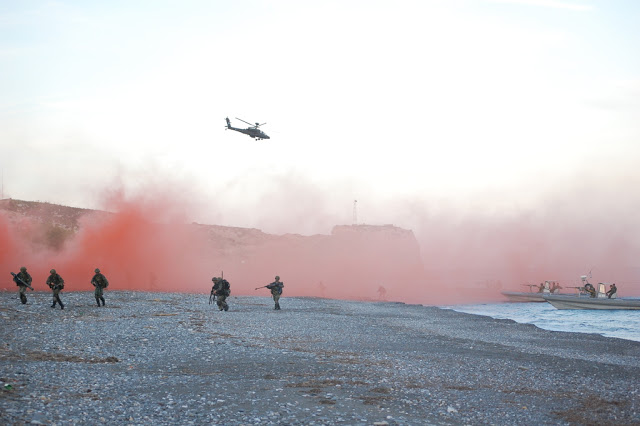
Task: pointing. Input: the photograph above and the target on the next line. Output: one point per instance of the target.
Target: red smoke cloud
(130, 247)
(474, 257)
(145, 245)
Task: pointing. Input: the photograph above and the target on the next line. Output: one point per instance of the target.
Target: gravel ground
(166, 358)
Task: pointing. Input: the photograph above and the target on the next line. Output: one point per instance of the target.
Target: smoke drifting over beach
(148, 243)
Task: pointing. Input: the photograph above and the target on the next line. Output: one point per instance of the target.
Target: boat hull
(572, 302)
(515, 296)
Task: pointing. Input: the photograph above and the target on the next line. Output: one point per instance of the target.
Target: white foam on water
(611, 323)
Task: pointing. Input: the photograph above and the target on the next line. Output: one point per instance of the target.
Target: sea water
(611, 323)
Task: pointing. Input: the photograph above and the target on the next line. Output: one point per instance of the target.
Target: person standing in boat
(612, 290)
(588, 287)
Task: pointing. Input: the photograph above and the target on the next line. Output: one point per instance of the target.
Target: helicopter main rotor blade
(258, 125)
(250, 124)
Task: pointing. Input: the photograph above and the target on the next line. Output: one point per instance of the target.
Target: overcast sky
(469, 104)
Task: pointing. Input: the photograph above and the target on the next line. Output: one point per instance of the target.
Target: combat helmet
(53, 271)
(23, 269)
(277, 277)
(97, 271)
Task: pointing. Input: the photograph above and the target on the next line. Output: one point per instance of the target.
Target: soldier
(276, 291)
(100, 282)
(24, 276)
(588, 287)
(221, 289)
(55, 283)
(555, 287)
(382, 292)
(612, 291)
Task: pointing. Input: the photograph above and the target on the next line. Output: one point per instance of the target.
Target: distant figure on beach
(153, 281)
(588, 287)
(55, 283)
(541, 288)
(100, 282)
(26, 278)
(276, 291)
(382, 293)
(221, 289)
(612, 290)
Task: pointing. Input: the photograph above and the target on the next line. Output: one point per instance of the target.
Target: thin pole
(355, 212)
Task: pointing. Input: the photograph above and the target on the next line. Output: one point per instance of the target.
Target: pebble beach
(172, 358)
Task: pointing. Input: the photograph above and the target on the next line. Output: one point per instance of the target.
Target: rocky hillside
(46, 213)
(356, 261)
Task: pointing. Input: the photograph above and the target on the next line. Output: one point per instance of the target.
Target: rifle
(96, 284)
(264, 286)
(16, 279)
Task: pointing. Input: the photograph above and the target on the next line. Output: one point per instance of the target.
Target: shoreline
(171, 357)
(619, 324)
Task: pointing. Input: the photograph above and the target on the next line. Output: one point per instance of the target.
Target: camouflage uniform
(276, 291)
(100, 282)
(612, 290)
(588, 287)
(55, 283)
(24, 276)
(222, 290)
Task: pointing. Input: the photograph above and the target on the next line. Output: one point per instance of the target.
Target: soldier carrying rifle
(100, 282)
(220, 291)
(23, 280)
(276, 291)
(56, 284)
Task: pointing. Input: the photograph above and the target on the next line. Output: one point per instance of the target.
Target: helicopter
(252, 131)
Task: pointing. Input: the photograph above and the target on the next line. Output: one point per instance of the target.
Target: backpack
(222, 288)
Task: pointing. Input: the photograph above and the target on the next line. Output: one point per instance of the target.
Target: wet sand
(167, 358)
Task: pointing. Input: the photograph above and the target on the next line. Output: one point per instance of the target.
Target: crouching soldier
(23, 280)
(56, 284)
(276, 291)
(221, 289)
(100, 282)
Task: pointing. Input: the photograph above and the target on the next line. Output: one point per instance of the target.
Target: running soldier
(221, 289)
(100, 282)
(276, 291)
(26, 279)
(55, 283)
